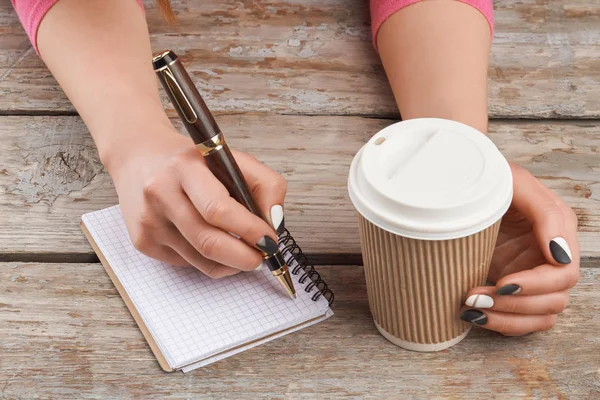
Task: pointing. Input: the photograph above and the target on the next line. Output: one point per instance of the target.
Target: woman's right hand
(176, 211)
(174, 208)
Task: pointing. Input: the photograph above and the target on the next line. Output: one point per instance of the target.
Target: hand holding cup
(535, 263)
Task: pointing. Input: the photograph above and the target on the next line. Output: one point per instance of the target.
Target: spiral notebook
(191, 320)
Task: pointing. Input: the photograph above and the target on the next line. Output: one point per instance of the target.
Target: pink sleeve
(31, 13)
(382, 9)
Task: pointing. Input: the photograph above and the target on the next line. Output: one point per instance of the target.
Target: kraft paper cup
(430, 194)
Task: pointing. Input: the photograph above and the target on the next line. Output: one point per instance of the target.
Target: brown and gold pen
(210, 141)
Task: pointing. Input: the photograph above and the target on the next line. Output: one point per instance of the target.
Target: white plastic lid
(431, 179)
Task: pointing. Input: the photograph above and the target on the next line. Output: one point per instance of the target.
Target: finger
(505, 262)
(545, 278)
(544, 304)
(267, 187)
(508, 324)
(166, 254)
(504, 253)
(217, 208)
(210, 268)
(208, 241)
(150, 234)
(552, 219)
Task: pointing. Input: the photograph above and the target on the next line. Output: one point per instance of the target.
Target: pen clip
(179, 96)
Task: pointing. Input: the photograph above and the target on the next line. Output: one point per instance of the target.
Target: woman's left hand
(535, 263)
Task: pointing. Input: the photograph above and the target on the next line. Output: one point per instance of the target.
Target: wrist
(477, 119)
(118, 144)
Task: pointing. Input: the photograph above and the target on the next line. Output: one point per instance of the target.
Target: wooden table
(308, 67)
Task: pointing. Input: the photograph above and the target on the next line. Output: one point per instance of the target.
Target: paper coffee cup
(430, 194)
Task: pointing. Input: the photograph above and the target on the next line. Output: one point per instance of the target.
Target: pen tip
(283, 276)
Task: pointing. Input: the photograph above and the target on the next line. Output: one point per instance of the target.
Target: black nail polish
(267, 245)
(509, 289)
(560, 250)
(281, 227)
(474, 316)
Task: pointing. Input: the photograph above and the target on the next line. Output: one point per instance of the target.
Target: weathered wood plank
(316, 57)
(51, 175)
(65, 333)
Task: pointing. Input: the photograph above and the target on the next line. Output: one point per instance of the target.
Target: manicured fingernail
(277, 218)
(259, 267)
(560, 250)
(509, 289)
(267, 245)
(480, 301)
(474, 316)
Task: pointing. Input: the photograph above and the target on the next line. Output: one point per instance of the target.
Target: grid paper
(191, 316)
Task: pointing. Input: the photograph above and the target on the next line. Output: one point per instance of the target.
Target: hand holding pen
(178, 212)
(211, 145)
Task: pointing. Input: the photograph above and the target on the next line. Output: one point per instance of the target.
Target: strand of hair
(164, 6)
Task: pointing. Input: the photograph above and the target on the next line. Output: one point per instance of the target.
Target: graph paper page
(189, 315)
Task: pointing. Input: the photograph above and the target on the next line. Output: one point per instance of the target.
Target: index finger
(554, 223)
(267, 186)
(219, 209)
(545, 278)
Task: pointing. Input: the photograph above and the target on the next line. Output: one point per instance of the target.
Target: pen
(210, 142)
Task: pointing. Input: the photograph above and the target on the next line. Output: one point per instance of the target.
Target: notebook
(191, 320)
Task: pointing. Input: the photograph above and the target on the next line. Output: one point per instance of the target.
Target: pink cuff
(383, 9)
(32, 12)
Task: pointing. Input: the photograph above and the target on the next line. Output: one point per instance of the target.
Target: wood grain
(316, 57)
(51, 175)
(65, 333)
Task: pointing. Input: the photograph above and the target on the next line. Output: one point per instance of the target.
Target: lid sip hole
(379, 140)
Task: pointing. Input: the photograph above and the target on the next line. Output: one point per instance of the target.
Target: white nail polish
(262, 241)
(480, 301)
(277, 217)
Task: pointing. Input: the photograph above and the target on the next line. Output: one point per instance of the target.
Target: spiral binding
(292, 250)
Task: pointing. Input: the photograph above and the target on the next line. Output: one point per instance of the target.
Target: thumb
(267, 187)
(551, 217)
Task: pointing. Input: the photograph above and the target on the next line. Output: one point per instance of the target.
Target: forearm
(99, 51)
(435, 54)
